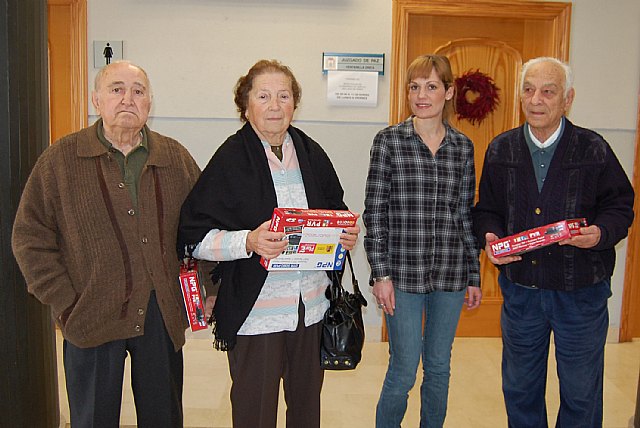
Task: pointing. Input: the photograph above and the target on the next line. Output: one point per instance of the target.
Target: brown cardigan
(81, 245)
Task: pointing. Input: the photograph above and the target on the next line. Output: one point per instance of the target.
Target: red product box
(193, 296)
(313, 236)
(536, 238)
(575, 224)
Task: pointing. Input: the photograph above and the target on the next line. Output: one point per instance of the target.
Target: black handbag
(343, 330)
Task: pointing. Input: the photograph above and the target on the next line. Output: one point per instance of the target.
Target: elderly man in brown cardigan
(95, 237)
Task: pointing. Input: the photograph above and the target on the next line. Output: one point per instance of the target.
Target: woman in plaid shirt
(423, 254)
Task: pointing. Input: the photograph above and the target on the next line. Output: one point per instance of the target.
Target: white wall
(195, 50)
(605, 56)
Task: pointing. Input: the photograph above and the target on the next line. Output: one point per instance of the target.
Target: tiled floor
(349, 398)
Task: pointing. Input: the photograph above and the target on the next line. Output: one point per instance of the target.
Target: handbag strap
(336, 290)
(354, 281)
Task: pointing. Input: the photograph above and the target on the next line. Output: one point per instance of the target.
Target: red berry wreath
(486, 102)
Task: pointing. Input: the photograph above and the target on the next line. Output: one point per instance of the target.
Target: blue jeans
(579, 320)
(408, 341)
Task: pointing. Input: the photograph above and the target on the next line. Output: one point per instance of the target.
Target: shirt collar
(406, 128)
(100, 129)
(549, 141)
(285, 144)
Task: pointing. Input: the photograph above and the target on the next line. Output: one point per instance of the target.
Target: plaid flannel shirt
(418, 211)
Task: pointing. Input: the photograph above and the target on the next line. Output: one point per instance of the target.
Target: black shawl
(235, 192)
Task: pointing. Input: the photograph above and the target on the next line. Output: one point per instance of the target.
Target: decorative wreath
(486, 102)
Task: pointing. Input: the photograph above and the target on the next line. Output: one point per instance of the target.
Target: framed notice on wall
(352, 79)
(352, 88)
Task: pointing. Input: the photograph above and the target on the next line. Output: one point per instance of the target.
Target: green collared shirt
(130, 165)
(541, 157)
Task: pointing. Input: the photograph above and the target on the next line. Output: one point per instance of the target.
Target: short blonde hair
(422, 67)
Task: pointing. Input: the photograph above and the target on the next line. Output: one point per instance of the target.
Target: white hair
(568, 73)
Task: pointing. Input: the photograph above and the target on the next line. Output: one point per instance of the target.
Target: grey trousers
(94, 378)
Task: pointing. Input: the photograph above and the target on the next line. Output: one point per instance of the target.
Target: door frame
(629, 320)
(77, 78)
(558, 13)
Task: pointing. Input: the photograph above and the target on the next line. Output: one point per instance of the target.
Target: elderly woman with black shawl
(268, 322)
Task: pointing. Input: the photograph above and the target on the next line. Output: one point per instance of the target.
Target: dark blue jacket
(585, 179)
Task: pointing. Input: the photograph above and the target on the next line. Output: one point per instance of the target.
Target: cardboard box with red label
(193, 296)
(537, 237)
(313, 236)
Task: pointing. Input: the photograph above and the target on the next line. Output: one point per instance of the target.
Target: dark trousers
(257, 363)
(94, 378)
(579, 321)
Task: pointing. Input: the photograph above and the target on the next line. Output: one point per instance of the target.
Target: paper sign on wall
(352, 88)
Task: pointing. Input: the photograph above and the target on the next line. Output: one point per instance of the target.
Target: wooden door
(494, 37)
(501, 62)
(67, 31)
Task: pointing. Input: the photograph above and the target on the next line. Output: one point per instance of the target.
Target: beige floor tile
(349, 398)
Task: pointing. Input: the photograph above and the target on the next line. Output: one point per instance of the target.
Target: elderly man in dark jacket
(542, 172)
